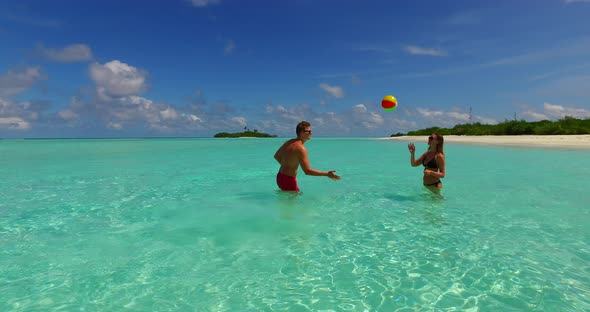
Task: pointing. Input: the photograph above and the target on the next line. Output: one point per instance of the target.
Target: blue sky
(198, 67)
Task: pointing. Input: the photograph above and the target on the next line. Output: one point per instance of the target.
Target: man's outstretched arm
(308, 170)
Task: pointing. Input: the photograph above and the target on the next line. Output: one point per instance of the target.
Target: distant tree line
(565, 126)
(246, 133)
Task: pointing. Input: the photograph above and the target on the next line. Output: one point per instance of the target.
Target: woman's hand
(428, 172)
(411, 147)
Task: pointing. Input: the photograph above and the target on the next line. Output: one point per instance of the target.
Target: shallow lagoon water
(199, 225)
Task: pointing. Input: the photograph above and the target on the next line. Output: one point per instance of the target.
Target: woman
(433, 161)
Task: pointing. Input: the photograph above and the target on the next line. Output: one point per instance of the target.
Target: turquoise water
(198, 225)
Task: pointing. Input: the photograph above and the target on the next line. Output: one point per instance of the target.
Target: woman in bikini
(433, 161)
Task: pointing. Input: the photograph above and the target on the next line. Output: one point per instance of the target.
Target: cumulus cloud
(204, 3)
(450, 118)
(334, 91)
(16, 115)
(359, 109)
(17, 81)
(431, 114)
(559, 111)
(485, 120)
(128, 113)
(72, 113)
(68, 115)
(553, 111)
(239, 121)
(14, 123)
(70, 53)
(365, 119)
(114, 125)
(117, 79)
(357, 120)
(135, 110)
(414, 50)
(532, 115)
(291, 115)
(168, 113)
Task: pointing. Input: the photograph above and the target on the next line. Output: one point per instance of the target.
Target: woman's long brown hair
(440, 144)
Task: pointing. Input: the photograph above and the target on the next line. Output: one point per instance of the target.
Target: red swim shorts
(287, 183)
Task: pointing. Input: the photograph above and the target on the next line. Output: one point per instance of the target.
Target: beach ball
(389, 103)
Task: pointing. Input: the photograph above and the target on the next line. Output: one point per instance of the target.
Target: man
(292, 154)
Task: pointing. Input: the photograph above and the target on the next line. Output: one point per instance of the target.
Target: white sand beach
(547, 141)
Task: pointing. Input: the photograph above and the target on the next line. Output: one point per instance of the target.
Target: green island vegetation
(565, 126)
(246, 133)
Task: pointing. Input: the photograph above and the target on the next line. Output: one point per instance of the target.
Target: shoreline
(581, 141)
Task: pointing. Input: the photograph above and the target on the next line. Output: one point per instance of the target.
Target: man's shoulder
(295, 146)
(294, 142)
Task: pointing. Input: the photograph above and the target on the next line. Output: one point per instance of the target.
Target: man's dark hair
(301, 126)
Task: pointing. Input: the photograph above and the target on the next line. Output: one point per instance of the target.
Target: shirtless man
(292, 154)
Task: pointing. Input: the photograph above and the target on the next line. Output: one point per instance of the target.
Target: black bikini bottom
(433, 184)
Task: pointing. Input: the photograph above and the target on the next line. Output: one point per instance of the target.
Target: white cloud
(229, 47)
(414, 50)
(14, 123)
(114, 125)
(116, 79)
(458, 116)
(20, 115)
(450, 118)
(240, 121)
(485, 120)
(359, 108)
(558, 111)
(366, 119)
(291, 115)
(358, 120)
(168, 113)
(204, 3)
(14, 82)
(428, 113)
(271, 109)
(334, 91)
(68, 115)
(73, 113)
(553, 111)
(404, 124)
(576, 1)
(193, 118)
(70, 53)
(532, 115)
(135, 110)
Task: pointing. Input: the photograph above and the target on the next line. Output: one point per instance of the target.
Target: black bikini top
(431, 163)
